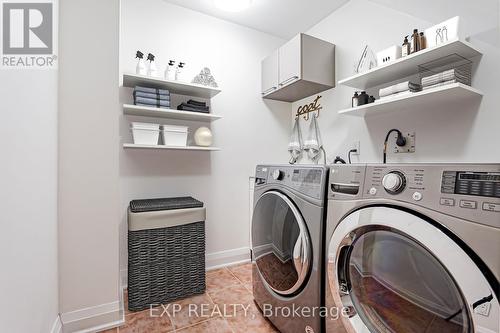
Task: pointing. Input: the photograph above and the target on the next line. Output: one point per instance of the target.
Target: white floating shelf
(408, 65)
(175, 87)
(134, 146)
(146, 111)
(433, 97)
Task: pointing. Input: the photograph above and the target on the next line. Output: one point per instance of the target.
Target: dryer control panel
(468, 191)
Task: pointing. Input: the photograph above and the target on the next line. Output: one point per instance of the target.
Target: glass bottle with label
(363, 98)
(415, 42)
(422, 41)
(354, 101)
(405, 49)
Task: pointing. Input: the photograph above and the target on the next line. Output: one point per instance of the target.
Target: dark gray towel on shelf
(152, 90)
(153, 96)
(185, 107)
(197, 103)
(204, 108)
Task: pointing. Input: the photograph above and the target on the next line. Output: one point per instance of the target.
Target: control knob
(278, 174)
(394, 182)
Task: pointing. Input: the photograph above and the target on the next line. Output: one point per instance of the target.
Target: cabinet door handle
(293, 78)
(269, 90)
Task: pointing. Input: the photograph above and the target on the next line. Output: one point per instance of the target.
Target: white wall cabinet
(290, 62)
(302, 67)
(270, 79)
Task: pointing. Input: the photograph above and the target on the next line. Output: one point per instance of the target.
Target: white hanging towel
(313, 143)
(295, 145)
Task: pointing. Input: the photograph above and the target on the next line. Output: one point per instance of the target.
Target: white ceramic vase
(203, 137)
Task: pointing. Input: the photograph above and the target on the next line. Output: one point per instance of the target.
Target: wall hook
(304, 110)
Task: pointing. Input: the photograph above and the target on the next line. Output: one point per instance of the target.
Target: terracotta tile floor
(225, 287)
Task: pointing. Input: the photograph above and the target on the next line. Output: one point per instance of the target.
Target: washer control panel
(394, 182)
(469, 191)
(308, 180)
(387, 181)
(482, 184)
(346, 182)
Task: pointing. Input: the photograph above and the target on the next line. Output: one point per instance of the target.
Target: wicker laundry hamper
(166, 251)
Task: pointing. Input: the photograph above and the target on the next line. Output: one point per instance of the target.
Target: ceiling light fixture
(232, 5)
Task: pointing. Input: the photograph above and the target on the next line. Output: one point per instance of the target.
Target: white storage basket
(145, 133)
(175, 135)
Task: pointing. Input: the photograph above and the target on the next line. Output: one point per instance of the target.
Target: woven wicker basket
(165, 264)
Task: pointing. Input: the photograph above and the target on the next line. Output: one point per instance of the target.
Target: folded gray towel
(400, 87)
(151, 101)
(153, 106)
(153, 96)
(452, 74)
(152, 90)
(440, 84)
(399, 94)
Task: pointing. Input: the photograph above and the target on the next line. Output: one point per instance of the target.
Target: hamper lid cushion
(148, 205)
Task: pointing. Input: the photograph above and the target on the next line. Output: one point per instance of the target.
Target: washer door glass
(397, 285)
(280, 243)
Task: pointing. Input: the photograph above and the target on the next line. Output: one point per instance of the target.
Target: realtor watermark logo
(206, 310)
(28, 34)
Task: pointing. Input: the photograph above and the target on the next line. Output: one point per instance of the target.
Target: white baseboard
(95, 329)
(226, 258)
(90, 312)
(93, 319)
(213, 261)
(57, 326)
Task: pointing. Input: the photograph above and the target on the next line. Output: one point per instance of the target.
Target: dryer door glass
(397, 285)
(280, 243)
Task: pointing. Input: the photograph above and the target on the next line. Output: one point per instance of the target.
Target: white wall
(443, 134)
(88, 162)
(28, 200)
(251, 132)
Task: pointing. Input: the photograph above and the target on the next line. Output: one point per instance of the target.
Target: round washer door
(280, 243)
(396, 272)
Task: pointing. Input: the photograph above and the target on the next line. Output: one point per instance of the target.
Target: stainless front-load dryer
(287, 245)
(414, 248)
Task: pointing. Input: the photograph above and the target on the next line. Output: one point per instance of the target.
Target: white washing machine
(414, 248)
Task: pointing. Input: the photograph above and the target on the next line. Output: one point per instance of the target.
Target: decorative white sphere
(203, 136)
